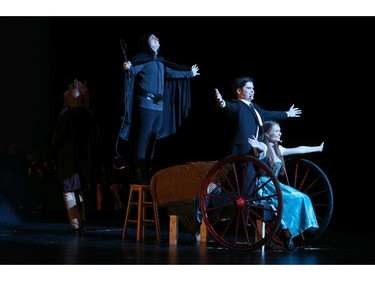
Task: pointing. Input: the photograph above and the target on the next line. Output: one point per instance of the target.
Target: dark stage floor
(38, 242)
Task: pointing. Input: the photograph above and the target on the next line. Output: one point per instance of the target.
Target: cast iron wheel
(234, 210)
(307, 177)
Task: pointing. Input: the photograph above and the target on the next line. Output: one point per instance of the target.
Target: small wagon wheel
(233, 208)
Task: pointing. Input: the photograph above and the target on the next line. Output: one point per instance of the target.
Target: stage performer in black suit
(247, 117)
(157, 99)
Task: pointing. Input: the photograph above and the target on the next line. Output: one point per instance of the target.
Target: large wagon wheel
(233, 208)
(307, 177)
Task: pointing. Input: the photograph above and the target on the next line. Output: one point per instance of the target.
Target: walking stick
(119, 161)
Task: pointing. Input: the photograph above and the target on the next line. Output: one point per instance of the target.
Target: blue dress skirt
(298, 212)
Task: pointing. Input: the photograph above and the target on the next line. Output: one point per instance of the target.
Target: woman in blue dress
(298, 212)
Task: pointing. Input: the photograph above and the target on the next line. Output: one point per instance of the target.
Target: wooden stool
(144, 192)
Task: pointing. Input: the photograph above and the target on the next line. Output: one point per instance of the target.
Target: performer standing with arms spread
(157, 99)
(247, 117)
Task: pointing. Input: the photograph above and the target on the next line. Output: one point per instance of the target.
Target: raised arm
(260, 148)
(303, 149)
(219, 99)
(294, 111)
(195, 70)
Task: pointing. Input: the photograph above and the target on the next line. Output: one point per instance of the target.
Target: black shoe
(78, 232)
(139, 174)
(82, 231)
(289, 244)
(140, 178)
(273, 245)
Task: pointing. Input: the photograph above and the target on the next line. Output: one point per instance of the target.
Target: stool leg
(156, 216)
(144, 210)
(140, 215)
(148, 197)
(127, 215)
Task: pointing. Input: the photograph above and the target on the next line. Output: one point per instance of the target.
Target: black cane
(123, 47)
(119, 161)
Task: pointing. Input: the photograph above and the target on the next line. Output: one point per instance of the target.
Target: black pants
(146, 126)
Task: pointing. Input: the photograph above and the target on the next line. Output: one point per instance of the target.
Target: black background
(323, 65)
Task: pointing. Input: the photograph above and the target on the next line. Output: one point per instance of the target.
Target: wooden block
(173, 229)
(261, 228)
(203, 232)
